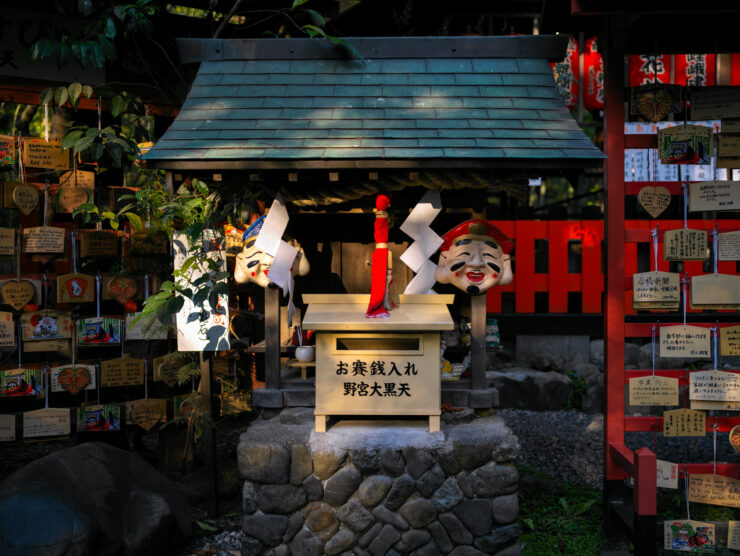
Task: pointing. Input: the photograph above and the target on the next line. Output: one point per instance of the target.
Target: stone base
(378, 487)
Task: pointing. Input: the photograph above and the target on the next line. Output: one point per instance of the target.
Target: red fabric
(380, 262)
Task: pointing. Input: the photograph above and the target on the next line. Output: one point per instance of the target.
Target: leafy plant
(578, 387)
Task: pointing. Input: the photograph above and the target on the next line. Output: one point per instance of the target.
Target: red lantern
(593, 69)
(565, 74)
(698, 70)
(649, 69)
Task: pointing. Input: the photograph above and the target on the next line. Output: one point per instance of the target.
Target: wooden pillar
(272, 338)
(612, 42)
(209, 439)
(478, 342)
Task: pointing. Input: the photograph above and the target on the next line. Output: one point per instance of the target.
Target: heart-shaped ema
(74, 379)
(122, 289)
(17, 293)
(654, 105)
(26, 198)
(654, 199)
(71, 197)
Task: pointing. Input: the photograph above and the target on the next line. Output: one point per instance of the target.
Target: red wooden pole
(614, 233)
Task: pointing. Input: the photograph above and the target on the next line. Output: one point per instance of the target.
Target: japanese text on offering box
(684, 422)
(43, 239)
(685, 245)
(656, 290)
(714, 489)
(684, 341)
(653, 390)
(376, 370)
(714, 385)
(46, 422)
(125, 371)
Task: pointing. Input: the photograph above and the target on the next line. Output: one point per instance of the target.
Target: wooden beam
(272, 338)
(478, 342)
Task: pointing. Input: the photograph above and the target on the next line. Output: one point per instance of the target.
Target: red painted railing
(557, 281)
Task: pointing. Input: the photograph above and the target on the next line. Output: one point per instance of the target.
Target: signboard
(146, 413)
(729, 246)
(685, 144)
(123, 371)
(684, 422)
(654, 199)
(21, 382)
(729, 341)
(685, 244)
(46, 422)
(684, 341)
(7, 428)
(7, 242)
(40, 153)
(715, 102)
(7, 330)
(46, 325)
(203, 327)
(656, 290)
(653, 390)
(99, 418)
(667, 474)
(714, 195)
(714, 386)
(43, 239)
(714, 489)
(77, 379)
(98, 330)
(715, 289)
(86, 180)
(98, 244)
(687, 535)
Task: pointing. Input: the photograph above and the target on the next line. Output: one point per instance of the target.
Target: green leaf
(71, 138)
(317, 18)
(135, 221)
(83, 144)
(107, 48)
(313, 31)
(205, 526)
(87, 90)
(74, 91)
(47, 96)
(297, 3)
(60, 96)
(110, 28)
(118, 105)
(347, 46)
(97, 151)
(92, 132)
(109, 215)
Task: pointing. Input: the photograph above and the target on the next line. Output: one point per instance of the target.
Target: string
(148, 123)
(654, 233)
(74, 347)
(100, 127)
(18, 254)
(653, 332)
(123, 337)
(46, 201)
(685, 189)
(46, 121)
(716, 343)
(46, 291)
(716, 426)
(685, 284)
(686, 484)
(715, 246)
(97, 293)
(146, 287)
(146, 381)
(20, 345)
(46, 387)
(74, 251)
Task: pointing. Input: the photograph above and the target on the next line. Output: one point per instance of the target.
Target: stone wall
(379, 487)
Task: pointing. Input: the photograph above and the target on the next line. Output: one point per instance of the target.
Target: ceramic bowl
(305, 353)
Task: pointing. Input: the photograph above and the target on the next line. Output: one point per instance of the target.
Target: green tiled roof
(414, 103)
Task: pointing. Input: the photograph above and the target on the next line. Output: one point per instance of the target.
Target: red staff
(379, 300)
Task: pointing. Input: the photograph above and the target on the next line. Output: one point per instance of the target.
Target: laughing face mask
(475, 257)
(253, 265)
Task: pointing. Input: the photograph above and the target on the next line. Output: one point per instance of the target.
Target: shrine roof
(409, 102)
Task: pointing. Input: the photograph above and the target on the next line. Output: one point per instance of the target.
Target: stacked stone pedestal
(379, 487)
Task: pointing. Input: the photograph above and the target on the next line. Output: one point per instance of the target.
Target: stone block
(386, 538)
(429, 549)
(372, 490)
(458, 533)
(413, 539)
(596, 352)
(466, 551)
(295, 523)
(268, 529)
(514, 550)
(279, 550)
(456, 398)
(313, 488)
(355, 516)
(418, 512)
(340, 486)
(568, 348)
(299, 397)
(367, 461)
(263, 463)
(296, 415)
(475, 515)
(249, 498)
(440, 536)
(271, 399)
(392, 462)
(370, 535)
(280, 499)
(402, 488)
(448, 463)
(430, 481)
(465, 482)
(252, 547)
(494, 479)
(306, 543)
(533, 390)
(481, 399)
(326, 462)
(418, 460)
(343, 540)
(384, 515)
(447, 495)
(321, 519)
(498, 538)
(301, 465)
(505, 509)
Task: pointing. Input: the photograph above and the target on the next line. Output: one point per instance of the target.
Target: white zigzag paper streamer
(270, 240)
(426, 242)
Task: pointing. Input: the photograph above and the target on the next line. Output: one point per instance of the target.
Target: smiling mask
(474, 257)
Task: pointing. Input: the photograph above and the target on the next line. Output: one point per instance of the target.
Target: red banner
(565, 75)
(698, 70)
(649, 69)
